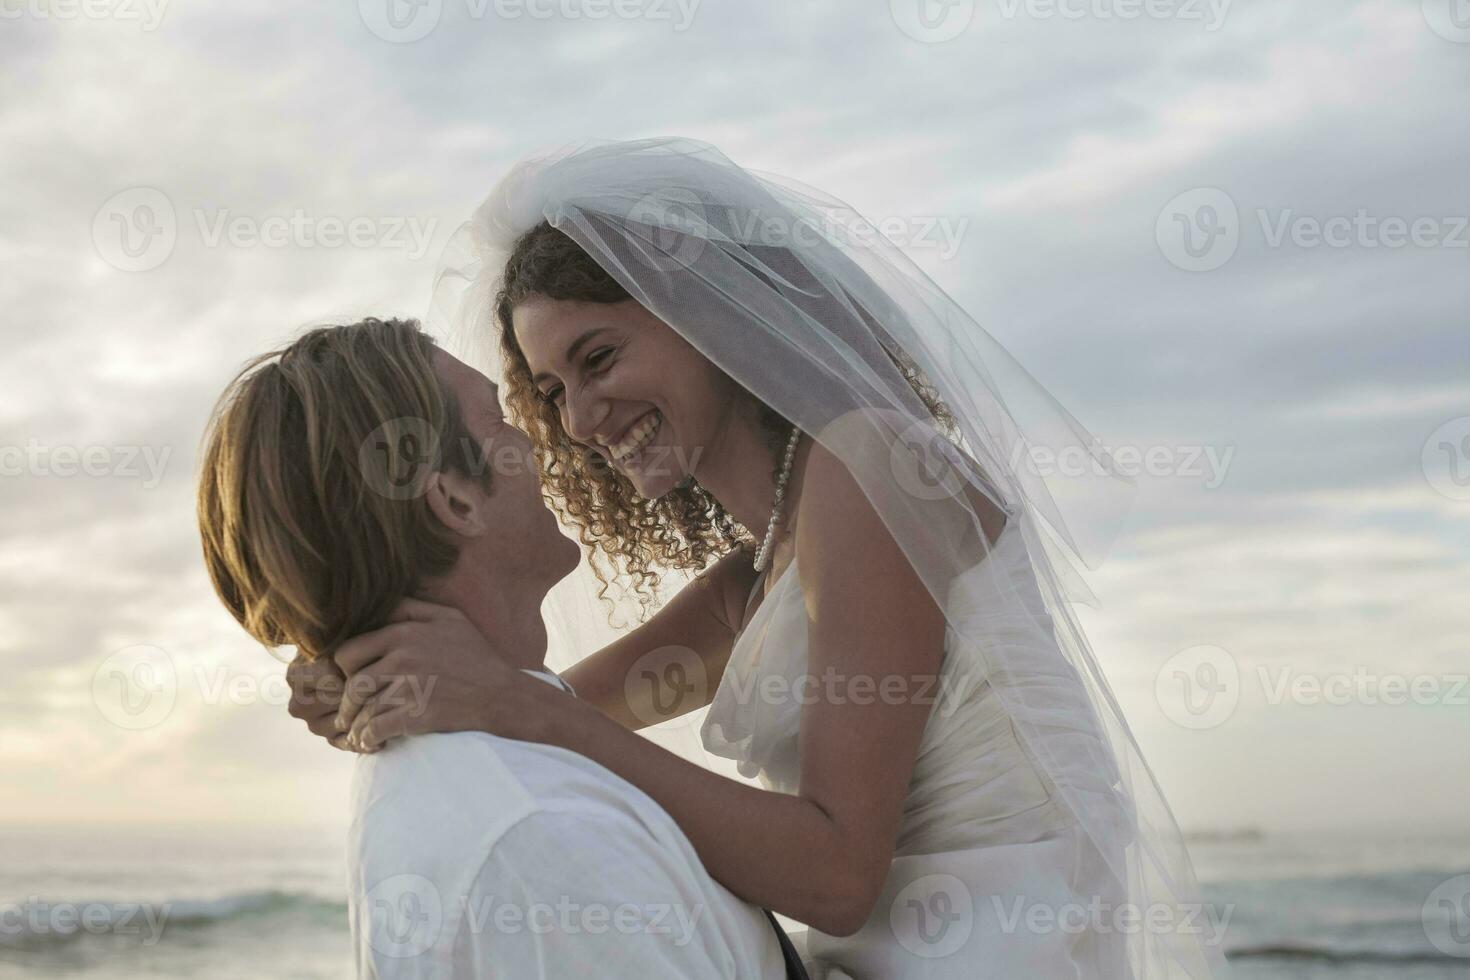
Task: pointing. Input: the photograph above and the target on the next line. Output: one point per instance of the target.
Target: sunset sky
(1231, 233)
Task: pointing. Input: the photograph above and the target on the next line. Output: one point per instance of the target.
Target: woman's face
(626, 386)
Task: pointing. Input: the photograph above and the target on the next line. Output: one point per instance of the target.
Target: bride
(729, 373)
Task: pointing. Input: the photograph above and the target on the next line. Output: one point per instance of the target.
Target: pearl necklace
(761, 554)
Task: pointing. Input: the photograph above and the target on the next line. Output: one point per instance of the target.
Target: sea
(175, 901)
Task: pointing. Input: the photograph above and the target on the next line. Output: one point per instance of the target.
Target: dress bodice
(984, 828)
(973, 782)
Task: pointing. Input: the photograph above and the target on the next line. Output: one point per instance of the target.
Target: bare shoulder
(860, 589)
(837, 528)
(880, 440)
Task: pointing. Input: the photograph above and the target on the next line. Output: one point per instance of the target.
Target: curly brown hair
(686, 528)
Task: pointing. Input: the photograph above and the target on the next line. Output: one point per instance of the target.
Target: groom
(361, 465)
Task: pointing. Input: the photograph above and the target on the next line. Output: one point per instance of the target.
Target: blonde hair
(310, 502)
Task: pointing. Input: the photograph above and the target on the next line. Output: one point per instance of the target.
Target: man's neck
(508, 617)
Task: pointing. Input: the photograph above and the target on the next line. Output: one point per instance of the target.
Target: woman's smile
(638, 438)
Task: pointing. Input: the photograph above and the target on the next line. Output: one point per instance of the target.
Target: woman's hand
(316, 694)
(431, 670)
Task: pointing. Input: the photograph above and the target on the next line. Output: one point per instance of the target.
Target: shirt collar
(549, 678)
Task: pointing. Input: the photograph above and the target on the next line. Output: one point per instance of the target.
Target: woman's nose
(582, 415)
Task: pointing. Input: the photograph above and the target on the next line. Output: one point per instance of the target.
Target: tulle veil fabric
(798, 298)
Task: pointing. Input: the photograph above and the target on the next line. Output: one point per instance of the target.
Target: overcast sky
(1231, 233)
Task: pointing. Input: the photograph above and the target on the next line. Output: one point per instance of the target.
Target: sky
(1231, 237)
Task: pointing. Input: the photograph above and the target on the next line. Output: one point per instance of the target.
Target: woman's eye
(552, 394)
(597, 357)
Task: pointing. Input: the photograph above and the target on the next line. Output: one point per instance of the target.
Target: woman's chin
(654, 486)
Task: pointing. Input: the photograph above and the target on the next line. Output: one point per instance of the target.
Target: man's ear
(457, 503)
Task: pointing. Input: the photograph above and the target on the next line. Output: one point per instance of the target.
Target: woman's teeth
(638, 438)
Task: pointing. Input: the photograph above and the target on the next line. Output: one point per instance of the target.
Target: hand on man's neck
(507, 614)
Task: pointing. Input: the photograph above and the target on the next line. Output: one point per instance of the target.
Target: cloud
(1060, 142)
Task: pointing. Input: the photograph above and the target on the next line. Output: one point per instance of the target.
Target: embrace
(709, 371)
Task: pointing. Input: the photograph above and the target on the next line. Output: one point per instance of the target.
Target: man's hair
(311, 503)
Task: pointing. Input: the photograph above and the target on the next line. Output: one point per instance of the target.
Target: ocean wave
(1327, 954)
(39, 922)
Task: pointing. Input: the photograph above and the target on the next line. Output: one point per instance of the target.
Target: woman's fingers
(316, 691)
(362, 687)
(378, 722)
(385, 683)
(422, 611)
(365, 648)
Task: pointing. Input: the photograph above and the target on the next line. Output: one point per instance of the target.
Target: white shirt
(476, 856)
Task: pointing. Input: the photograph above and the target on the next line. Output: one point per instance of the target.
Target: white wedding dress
(991, 877)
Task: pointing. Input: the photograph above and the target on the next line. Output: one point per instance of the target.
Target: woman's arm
(695, 629)
(876, 645)
(875, 639)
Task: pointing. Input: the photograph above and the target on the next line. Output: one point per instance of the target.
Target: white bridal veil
(799, 299)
